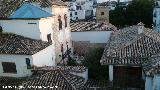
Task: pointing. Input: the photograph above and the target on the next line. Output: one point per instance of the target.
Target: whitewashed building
(46, 21)
(19, 54)
(76, 11)
(92, 32)
(81, 9)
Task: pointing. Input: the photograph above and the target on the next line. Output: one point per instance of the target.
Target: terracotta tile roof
(49, 3)
(134, 53)
(127, 47)
(62, 79)
(16, 44)
(7, 7)
(100, 85)
(91, 26)
(151, 65)
(77, 69)
(128, 44)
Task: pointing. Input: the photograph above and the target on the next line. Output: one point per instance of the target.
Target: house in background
(102, 14)
(18, 54)
(111, 5)
(76, 11)
(90, 34)
(46, 21)
(81, 9)
(129, 53)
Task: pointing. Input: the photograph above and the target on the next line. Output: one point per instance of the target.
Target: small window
(75, 13)
(71, 14)
(62, 48)
(28, 63)
(60, 22)
(49, 38)
(65, 19)
(9, 67)
(102, 13)
(76, 18)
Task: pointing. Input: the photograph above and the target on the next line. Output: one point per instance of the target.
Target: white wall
(21, 27)
(80, 14)
(156, 82)
(92, 36)
(20, 61)
(83, 74)
(45, 57)
(45, 26)
(148, 83)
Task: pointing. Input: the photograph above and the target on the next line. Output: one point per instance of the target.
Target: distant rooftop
(91, 26)
(16, 44)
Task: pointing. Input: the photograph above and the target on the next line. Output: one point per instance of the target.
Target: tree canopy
(92, 60)
(137, 11)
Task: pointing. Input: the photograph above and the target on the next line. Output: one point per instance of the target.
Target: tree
(92, 60)
(71, 61)
(1, 30)
(137, 11)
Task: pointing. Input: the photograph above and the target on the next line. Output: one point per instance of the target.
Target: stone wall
(82, 47)
(102, 17)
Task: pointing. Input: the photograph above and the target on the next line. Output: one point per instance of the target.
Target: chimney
(140, 27)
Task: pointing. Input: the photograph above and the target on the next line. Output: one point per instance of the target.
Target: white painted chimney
(140, 27)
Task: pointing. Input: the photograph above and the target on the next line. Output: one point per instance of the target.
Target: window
(76, 18)
(71, 14)
(9, 67)
(65, 19)
(60, 22)
(28, 63)
(75, 13)
(62, 48)
(49, 38)
(102, 13)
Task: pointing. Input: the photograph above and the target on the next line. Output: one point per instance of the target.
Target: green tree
(1, 30)
(71, 61)
(137, 11)
(92, 60)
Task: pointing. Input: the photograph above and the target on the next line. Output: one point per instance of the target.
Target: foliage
(92, 60)
(71, 62)
(135, 12)
(1, 30)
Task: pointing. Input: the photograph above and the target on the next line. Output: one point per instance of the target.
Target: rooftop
(128, 47)
(62, 79)
(9, 6)
(151, 66)
(16, 44)
(91, 26)
(77, 69)
(28, 10)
